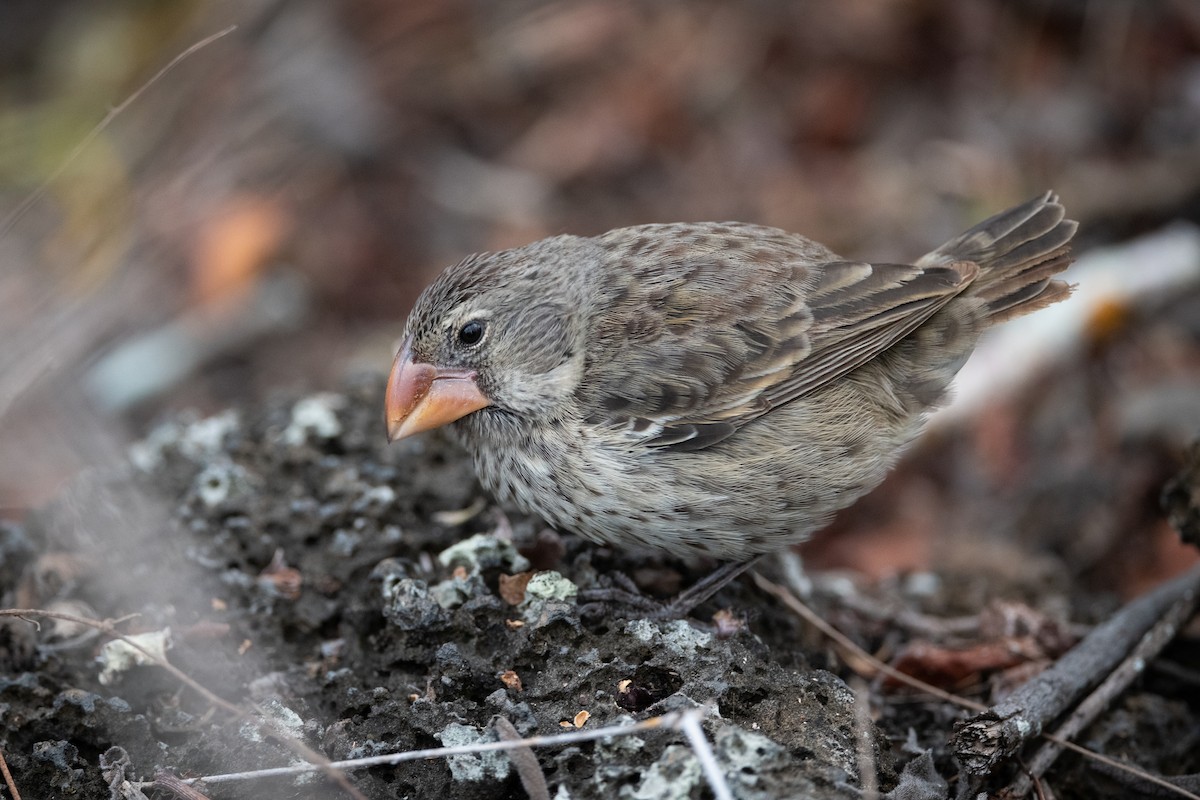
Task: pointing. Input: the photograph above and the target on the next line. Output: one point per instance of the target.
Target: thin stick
(106, 627)
(843, 641)
(996, 734)
(690, 725)
(1117, 681)
(672, 721)
(523, 758)
(868, 777)
(686, 722)
(846, 644)
(1121, 766)
(170, 783)
(8, 778)
(11, 220)
(320, 762)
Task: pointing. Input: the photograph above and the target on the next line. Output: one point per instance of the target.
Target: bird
(714, 389)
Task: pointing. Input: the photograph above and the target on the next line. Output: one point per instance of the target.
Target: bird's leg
(625, 599)
(629, 599)
(705, 588)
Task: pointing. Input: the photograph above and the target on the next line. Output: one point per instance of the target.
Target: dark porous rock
(368, 599)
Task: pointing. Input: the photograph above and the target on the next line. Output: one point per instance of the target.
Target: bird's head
(501, 331)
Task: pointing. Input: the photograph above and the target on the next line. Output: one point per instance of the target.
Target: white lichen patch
(197, 441)
(745, 757)
(550, 585)
(474, 767)
(218, 483)
(453, 592)
(684, 640)
(119, 655)
(674, 776)
(484, 551)
(677, 635)
(280, 716)
(376, 497)
(315, 417)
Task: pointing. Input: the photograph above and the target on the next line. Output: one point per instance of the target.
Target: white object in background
(150, 363)
(1010, 354)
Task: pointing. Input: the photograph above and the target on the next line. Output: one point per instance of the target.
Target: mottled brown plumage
(713, 389)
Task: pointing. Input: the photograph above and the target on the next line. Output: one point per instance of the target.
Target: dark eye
(471, 333)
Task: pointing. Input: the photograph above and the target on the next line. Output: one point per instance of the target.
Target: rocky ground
(302, 565)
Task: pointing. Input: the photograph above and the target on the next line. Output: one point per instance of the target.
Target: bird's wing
(690, 346)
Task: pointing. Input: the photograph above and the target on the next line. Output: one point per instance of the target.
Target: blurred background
(261, 216)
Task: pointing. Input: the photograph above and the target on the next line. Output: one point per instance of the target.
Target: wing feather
(716, 325)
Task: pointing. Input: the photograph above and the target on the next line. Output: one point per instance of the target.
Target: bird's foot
(626, 600)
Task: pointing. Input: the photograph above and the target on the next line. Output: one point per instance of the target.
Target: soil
(297, 565)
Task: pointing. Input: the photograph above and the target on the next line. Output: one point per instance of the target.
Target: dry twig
(686, 722)
(690, 725)
(167, 782)
(866, 665)
(106, 627)
(526, 763)
(857, 659)
(1117, 681)
(8, 778)
(868, 781)
(996, 734)
(672, 721)
(12, 218)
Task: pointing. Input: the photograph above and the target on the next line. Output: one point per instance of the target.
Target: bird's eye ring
(471, 333)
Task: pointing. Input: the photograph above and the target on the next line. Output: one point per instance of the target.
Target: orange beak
(423, 396)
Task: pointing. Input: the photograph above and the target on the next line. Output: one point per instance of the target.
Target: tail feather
(1019, 251)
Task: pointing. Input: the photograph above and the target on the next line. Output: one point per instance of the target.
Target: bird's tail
(1019, 252)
